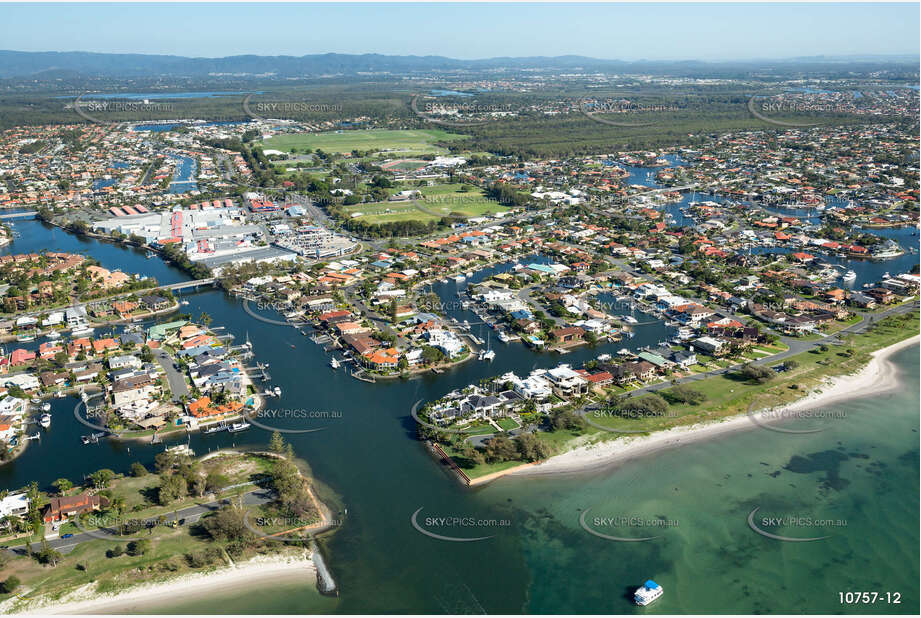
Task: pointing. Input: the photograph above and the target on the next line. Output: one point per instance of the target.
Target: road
(177, 383)
(189, 514)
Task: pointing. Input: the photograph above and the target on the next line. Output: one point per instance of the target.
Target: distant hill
(17, 64)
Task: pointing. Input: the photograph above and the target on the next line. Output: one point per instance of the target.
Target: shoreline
(879, 375)
(188, 587)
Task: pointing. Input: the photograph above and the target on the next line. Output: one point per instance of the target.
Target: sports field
(404, 142)
(435, 203)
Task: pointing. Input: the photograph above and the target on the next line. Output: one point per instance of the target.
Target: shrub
(10, 584)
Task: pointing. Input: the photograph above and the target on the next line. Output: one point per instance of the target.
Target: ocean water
(859, 477)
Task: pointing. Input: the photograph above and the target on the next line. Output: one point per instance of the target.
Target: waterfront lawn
(417, 141)
(730, 395)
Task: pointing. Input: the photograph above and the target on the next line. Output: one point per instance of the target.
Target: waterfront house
(62, 508)
(709, 346)
(14, 505)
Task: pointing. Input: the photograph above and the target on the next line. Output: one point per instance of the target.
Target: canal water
(862, 468)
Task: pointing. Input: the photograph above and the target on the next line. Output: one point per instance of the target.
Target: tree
(649, 404)
(171, 488)
(228, 524)
(531, 448)
(215, 482)
(277, 443)
(138, 469)
(139, 547)
(564, 419)
(757, 373)
(102, 478)
(62, 486)
(684, 394)
(500, 449)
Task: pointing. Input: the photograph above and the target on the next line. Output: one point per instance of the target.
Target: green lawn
(405, 142)
(436, 202)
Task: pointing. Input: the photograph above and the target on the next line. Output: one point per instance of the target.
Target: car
(66, 536)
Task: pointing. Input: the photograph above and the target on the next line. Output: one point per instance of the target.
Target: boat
(53, 336)
(45, 420)
(277, 391)
(503, 337)
(184, 303)
(46, 407)
(629, 319)
(334, 363)
(215, 428)
(235, 427)
(647, 593)
(604, 358)
(150, 254)
(849, 275)
(459, 278)
(81, 331)
(25, 337)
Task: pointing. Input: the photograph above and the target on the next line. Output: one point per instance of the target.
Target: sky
(681, 31)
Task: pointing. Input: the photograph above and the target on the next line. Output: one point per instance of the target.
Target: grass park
(436, 202)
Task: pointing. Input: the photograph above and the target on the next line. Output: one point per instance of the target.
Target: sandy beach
(878, 376)
(263, 569)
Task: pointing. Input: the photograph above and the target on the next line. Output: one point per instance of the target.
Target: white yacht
(45, 421)
(235, 427)
(504, 338)
(647, 593)
(53, 336)
(487, 355)
(629, 319)
(81, 331)
(849, 275)
(334, 363)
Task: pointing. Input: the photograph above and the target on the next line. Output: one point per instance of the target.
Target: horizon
(654, 32)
